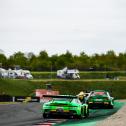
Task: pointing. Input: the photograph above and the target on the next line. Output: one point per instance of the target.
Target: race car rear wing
(60, 96)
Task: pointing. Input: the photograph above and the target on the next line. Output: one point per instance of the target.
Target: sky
(92, 26)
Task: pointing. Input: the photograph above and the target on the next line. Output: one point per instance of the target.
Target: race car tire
(81, 116)
(45, 115)
(86, 114)
(90, 106)
(72, 117)
(111, 107)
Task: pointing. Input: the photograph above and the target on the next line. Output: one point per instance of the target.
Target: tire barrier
(5, 98)
(26, 99)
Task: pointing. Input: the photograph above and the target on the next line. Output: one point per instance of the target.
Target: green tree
(65, 60)
(43, 55)
(42, 62)
(121, 62)
(3, 60)
(18, 59)
(111, 60)
(53, 60)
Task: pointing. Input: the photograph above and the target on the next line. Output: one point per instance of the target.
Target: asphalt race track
(28, 114)
(95, 116)
(20, 114)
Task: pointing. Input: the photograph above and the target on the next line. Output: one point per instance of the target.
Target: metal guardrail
(7, 98)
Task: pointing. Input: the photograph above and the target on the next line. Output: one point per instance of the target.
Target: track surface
(20, 114)
(30, 115)
(95, 116)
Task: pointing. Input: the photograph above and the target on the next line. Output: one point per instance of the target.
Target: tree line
(108, 61)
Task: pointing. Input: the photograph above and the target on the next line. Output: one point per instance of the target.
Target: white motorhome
(3, 73)
(27, 74)
(62, 73)
(11, 73)
(68, 73)
(23, 74)
(19, 74)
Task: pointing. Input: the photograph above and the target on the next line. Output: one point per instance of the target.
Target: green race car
(99, 99)
(66, 105)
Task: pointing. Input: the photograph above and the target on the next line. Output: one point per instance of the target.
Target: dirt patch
(118, 119)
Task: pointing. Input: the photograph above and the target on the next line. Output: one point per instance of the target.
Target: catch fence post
(13, 98)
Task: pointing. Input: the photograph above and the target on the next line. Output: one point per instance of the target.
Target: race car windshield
(98, 93)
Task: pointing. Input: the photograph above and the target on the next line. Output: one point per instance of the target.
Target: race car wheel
(45, 115)
(111, 107)
(82, 113)
(72, 117)
(86, 113)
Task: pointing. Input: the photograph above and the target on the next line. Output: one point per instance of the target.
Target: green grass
(27, 87)
(5, 103)
(122, 77)
(83, 74)
(18, 87)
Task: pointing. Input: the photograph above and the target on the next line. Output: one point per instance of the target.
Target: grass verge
(27, 87)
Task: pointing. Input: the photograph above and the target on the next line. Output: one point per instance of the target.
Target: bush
(43, 75)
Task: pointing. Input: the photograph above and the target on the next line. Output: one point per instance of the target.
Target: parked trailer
(68, 73)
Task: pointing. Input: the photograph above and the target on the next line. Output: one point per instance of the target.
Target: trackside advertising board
(41, 92)
(26, 99)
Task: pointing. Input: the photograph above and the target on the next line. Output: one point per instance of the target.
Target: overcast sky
(92, 26)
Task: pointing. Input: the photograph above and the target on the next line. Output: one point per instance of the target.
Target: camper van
(15, 74)
(3, 73)
(68, 73)
(23, 74)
